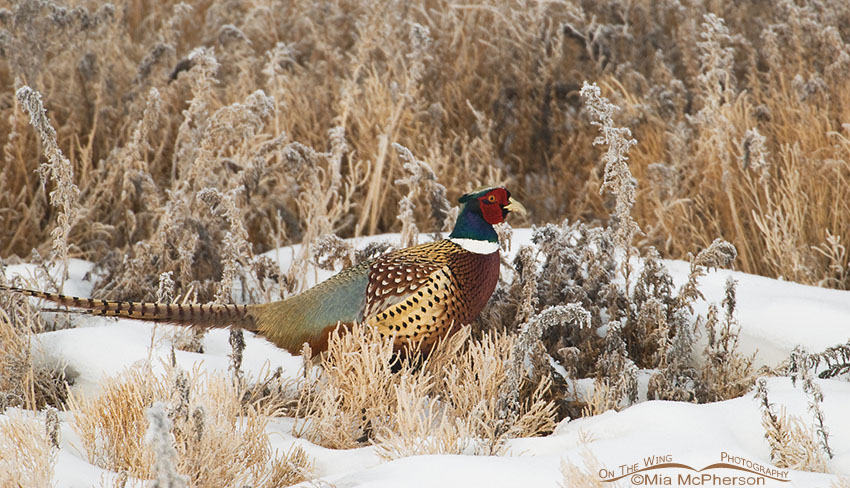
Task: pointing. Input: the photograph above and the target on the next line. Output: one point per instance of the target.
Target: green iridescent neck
(471, 225)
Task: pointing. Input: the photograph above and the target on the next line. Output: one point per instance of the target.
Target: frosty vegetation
(174, 147)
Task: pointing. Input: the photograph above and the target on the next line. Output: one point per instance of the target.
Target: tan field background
(740, 124)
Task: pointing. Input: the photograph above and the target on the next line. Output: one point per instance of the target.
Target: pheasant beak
(515, 206)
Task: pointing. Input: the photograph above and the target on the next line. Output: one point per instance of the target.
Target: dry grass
(450, 403)
(738, 110)
(23, 383)
(28, 455)
(187, 428)
(586, 476)
(217, 440)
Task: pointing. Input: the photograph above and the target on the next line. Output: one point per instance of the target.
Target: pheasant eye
(491, 198)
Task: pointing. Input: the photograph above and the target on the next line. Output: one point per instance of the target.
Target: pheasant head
(482, 209)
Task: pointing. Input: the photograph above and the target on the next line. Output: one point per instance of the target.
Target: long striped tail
(201, 315)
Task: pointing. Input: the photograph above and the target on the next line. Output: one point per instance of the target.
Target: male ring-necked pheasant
(416, 295)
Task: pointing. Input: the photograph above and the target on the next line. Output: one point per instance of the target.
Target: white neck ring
(476, 246)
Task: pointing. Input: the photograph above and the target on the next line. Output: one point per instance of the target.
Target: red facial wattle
(491, 205)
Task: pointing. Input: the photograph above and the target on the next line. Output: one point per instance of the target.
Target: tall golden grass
(739, 110)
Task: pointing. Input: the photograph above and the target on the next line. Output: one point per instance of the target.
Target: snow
(775, 316)
(73, 470)
(444, 471)
(113, 346)
(697, 434)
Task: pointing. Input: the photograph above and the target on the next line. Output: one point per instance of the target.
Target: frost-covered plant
(717, 87)
(678, 378)
(59, 169)
(836, 360)
(754, 154)
(51, 426)
(331, 253)
(529, 359)
(792, 443)
(165, 456)
(236, 250)
(650, 327)
(635, 322)
(802, 366)
(615, 370)
(165, 290)
(725, 373)
(618, 178)
(237, 345)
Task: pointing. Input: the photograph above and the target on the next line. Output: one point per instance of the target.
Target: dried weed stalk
(802, 366)
(725, 373)
(58, 168)
(792, 443)
(421, 179)
(836, 360)
(618, 178)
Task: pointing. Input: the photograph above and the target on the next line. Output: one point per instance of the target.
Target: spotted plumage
(414, 295)
(426, 291)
